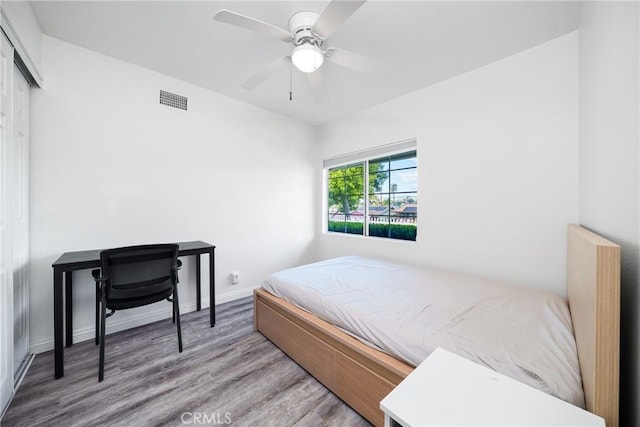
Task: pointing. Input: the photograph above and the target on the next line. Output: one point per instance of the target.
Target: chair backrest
(139, 272)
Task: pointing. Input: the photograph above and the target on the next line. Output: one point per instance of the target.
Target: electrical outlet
(235, 277)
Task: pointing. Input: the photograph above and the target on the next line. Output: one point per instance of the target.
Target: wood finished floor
(226, 369)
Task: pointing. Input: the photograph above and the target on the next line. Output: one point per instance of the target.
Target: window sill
(374, 238)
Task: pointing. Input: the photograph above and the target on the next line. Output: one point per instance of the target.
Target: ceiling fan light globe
(307, 58)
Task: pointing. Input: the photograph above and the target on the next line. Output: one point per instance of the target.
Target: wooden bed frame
(362, 376)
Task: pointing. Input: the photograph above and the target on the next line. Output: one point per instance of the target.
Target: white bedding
(409, 311)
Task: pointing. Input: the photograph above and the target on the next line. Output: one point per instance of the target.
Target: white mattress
(409, 311)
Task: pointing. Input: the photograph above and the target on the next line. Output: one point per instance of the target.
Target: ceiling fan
(308, 32)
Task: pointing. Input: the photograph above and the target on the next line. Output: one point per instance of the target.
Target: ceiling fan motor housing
(301, 25)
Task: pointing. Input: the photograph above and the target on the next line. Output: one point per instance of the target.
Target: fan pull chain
(315, 56)
(290, 81)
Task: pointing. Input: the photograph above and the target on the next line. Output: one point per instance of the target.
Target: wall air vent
(173, 100)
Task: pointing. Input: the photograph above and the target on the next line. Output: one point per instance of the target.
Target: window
(387, 207)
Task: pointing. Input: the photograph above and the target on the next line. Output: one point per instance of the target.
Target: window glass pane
(378, 213)
(408, 200)
(404, 180)
(404, 216)
(405, 160)
(346, 214)
(379, 222)
(403, 231)
(335, 209)
(378, 182)
(349, 227)
(335, 187)
(354, 170)
(335, 224)
(352, 184)
(355, 217)
(379, 165)
(378, 201)
(344, 204)
(356, 207)
(336, 173)
(355, 228)
(345, 188)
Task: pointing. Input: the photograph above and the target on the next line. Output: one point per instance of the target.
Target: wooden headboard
(593, 290)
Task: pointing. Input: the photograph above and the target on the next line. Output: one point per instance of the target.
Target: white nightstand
(448, 390)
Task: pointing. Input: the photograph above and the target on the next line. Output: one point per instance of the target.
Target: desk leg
(68, 307)
(198, 292)
(212, 289)
(58, 306)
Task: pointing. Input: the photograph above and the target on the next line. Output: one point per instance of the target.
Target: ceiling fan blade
(233, 18)
(334, 15)
(270, 69)
(316, 80)
(356, 62)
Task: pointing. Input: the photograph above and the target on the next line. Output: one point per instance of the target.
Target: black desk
(72, 261)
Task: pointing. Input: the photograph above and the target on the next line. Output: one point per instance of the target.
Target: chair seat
(116, 304)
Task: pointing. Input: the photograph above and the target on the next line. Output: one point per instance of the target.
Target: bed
(362, 374)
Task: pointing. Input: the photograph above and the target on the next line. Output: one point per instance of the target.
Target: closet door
(6, 257)
(20, 218)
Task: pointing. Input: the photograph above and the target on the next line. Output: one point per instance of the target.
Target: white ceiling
(424, 41)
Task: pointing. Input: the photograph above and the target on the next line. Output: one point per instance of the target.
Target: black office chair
(134, 276)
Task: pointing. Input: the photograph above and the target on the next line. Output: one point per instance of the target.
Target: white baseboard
(85, 334)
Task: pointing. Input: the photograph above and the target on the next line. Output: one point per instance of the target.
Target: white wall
(112, 167)
(609, 162)
(498, 167)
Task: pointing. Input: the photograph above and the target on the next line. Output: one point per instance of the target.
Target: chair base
(101, 330)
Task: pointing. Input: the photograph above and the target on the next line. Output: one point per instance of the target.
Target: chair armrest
(177, 267)
(97, 276)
